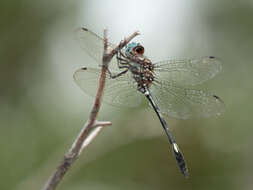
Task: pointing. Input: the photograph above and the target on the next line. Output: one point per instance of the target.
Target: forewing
(94, 46)
(187, 72)
(121, 91)
(186, 103)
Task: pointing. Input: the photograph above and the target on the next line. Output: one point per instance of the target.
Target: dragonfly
(131, 76)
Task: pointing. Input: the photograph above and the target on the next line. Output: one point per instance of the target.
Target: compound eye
(139, 50)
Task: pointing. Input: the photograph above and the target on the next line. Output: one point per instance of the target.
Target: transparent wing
(121, 91)
(186, 103)
(187, 71)
(94, 46)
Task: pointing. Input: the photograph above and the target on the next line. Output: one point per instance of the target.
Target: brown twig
(92, 127)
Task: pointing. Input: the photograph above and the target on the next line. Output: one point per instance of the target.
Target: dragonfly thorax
(140, 66)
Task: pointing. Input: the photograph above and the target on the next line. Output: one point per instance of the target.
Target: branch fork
(92, 127)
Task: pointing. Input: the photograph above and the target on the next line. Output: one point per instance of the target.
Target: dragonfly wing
(120, 91)
(187, 71)
(183, 103)
(94, 46)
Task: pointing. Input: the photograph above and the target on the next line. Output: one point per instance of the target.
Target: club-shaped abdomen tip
(180, 160)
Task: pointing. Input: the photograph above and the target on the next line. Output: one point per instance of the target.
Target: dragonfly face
(134, 48)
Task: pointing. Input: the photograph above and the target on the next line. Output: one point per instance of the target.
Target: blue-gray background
(42, 109)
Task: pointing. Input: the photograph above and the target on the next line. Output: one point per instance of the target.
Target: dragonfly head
(134, 48)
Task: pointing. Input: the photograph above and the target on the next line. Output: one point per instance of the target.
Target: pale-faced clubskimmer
(165, 84)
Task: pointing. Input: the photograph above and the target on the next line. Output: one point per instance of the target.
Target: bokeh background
(42, 109)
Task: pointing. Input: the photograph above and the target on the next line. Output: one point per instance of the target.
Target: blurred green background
(42, 109)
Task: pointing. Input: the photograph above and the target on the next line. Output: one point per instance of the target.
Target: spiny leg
(122, 64)
(119, 74)
(116, 75)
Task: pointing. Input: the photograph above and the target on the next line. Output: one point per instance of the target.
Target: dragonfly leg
(122, 54)
(122, 63)
(108, 70)
(117, 75)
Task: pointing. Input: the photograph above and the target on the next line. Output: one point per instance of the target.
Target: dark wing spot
(218, 98)
(85, 29)
(84, 68)
(211, 57)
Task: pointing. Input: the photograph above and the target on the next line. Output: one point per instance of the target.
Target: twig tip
(102, 123)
